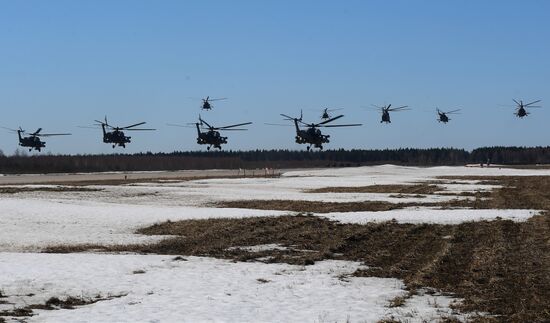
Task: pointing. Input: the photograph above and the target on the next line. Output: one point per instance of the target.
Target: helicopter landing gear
(208, 148)
(308, 148)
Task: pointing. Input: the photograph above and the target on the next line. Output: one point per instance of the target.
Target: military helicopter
(116, 136)
(211, 136)
(521, 108)
(33, 139)
(386, 111)
(443, 116)
(206, 105)
(312, 135)
(327, 113)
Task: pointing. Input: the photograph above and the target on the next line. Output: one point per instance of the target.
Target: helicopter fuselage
(115, 137)
(521, 112)
(385, 117)
(443, 118)
(212, 138)
(206, 105)
(311, 136)
(32, 142)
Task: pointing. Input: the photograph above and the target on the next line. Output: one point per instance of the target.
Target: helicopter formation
(306, 133)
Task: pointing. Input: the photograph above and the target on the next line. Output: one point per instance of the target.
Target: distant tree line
(276, 159)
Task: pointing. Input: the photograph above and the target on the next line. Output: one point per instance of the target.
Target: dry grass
(54, 303)
(398, 301)
(154, 180)
(15, 190)
(314, 206)
(397, 189)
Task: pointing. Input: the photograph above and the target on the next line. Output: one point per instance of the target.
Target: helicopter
(312, 135)
(327, 113)
(116, 136)
(206, 105)
(443, 116)
(32, 141)
(521, 108)
(211, 136)
(386, 111)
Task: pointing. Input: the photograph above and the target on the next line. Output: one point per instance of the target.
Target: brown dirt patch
(313, 206)
(15, 190)
(397, 189)
(54, 303)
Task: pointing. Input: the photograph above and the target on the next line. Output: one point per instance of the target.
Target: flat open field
(368, 244)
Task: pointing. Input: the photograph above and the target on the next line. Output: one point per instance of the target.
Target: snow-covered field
(205, 289)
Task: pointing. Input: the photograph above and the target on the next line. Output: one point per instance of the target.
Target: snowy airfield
(154, 288)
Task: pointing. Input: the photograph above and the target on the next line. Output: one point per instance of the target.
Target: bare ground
(15, 190)
(397, 189)
(499, 267)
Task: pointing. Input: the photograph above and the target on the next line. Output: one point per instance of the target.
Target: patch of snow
(260, 248)
(29, 224)
(196, 290)
(430, 215)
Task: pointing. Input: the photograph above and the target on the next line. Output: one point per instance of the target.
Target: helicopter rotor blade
(528, 104)
(288, 117)
(453, 111)
(52, 134)
(401, 108)
(206, 123)
(134, 125)
(330, 120)
(279, 124)
(139, 129)
(516, 101)
(13, 130)
(235, 125)
(218, 99)
(192, 125)
(341, 125)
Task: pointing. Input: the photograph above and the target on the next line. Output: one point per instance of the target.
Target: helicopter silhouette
(116, 135)
(443, 116)
(327, 113)
(212, 136)
(32, 140)
(521, 108)
(385, 110)
(206, 105)
(312, 135)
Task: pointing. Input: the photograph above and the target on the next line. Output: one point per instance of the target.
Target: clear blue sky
(66, 63)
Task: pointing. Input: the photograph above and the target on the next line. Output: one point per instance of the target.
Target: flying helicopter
(312, 135)
(521, 108)
(116, 135)
(211, 136)
(443, 116)
(32, 140)
(206, 105)
(385, 110)
(327, 113)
